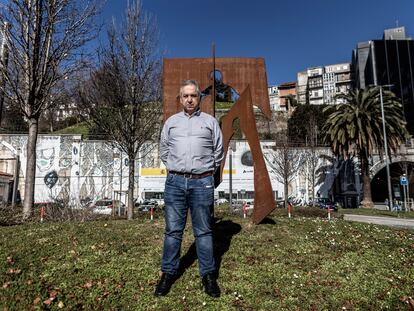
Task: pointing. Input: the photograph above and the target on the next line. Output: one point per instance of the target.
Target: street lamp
(386, 148)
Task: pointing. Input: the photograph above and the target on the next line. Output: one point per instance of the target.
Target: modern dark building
(388, 61)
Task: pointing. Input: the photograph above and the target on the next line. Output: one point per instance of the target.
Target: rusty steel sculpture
(247, 76)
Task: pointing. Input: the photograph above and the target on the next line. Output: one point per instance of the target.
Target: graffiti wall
(68, 168)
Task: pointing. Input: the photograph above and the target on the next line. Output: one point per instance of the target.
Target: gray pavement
(379, 220)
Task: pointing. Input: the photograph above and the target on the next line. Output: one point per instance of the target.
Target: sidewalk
(386, 221)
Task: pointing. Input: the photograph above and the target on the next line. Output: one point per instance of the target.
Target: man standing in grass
(191, 148)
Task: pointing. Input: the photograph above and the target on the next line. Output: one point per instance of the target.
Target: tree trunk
(286, 189)
(367, 201)
(131, 185)
(51, 129)
(29, 184)
(313, 188)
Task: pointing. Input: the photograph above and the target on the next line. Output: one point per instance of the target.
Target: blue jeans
(180, 195)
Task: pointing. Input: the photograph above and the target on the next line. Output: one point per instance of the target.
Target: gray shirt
(191, 144)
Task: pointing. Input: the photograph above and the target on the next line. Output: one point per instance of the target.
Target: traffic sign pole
(404, 183)
(405, 198)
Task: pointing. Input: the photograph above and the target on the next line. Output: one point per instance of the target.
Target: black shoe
(164, 285)
(210, 285)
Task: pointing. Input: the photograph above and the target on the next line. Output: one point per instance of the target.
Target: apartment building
(273, 92)
(320, 85)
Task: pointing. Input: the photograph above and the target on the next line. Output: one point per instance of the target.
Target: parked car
(239, 204)
(249, 204)
(105, 207)
(326, 203)
(221, 201)
(280, 203)
(146, 205)
(160, 202)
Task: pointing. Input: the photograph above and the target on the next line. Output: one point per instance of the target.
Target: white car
(221, 201)
(106, 206)
(160, 202)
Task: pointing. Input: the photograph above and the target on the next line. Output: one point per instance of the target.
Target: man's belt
(192, 175)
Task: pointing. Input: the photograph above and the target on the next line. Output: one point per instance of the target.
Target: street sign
(403, 181)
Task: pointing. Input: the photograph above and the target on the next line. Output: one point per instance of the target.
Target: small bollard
(329, 213)
(289, 210)
(152, 213)
(42, 213)
(245, 210)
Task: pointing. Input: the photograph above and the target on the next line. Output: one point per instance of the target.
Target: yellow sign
(227, 171)
(153, 171)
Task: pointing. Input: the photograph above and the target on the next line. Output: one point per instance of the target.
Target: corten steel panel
(248, 77)
(264, 202)
(238, 72)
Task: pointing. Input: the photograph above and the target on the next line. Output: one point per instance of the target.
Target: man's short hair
(191, 82)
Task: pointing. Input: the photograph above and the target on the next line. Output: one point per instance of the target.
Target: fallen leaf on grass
(120, 285)
(10, 260)
(49, 301)
(53, 293)
(61, 305)
(6, 285)
(88, 284)
(14, 271)
(36, 301)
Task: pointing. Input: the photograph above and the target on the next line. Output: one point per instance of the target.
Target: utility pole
(214, 80)
(4, 59)
(231, 179)
(386, 150)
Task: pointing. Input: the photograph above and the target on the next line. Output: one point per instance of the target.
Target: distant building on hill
(286, 90)
(273, 92)
(319, 85)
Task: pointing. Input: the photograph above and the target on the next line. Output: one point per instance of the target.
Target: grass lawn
(302, 263)
(80, 128)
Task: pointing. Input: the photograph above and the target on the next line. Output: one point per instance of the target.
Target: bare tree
(285, 161)
(122, 96)
(45, 40)
(312, 157)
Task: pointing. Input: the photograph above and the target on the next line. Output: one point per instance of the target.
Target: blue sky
(290, 35)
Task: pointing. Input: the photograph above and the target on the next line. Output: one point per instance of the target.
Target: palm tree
(355, 128)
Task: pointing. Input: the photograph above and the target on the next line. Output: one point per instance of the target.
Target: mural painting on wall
(74, 170)
(231, 76)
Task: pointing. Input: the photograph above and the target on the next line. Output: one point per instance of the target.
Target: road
(386, 221)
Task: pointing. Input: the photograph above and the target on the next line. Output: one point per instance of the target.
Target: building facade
(388, 62)
(286, 90)
(320, 85)
(273, 92)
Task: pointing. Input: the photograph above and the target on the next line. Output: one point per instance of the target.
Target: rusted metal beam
(264, 202)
